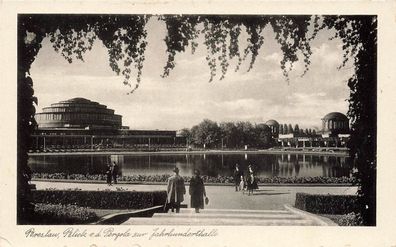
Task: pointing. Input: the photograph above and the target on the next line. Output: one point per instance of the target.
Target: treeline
(228, 135)
(288, 129)
(235, 135)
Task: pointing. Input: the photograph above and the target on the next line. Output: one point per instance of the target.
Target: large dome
(78, 113)
(335, 116)
(272, 123)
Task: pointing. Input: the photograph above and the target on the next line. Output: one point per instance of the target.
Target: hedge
(45, 214)
(101, 199)
(351, 219)
(207, 179)
(326, 204)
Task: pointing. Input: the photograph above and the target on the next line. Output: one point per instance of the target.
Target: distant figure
(115, 172)
(242, 183)
(108, 174)
(175, 190)
(237, 177)
(251, 181)
(197, 191)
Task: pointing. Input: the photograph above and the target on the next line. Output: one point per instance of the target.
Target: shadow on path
(268, 193)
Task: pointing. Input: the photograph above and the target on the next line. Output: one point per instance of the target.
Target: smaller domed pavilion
(274, 126)
(335, 123)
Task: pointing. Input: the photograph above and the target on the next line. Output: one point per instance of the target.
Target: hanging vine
(291, 33)
(123, 36)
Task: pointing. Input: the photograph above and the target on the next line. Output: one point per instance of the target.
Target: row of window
(331, 124)
(78, 116)
(78, 109)
(67, 105)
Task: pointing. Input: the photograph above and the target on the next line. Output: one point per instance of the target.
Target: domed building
(85, 125)
(333, 135)
(335, 123)
(274, 126)
(78, 113)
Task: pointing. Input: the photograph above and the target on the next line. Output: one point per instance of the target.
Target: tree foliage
(231, 135)
(124, 36)
(206, 133)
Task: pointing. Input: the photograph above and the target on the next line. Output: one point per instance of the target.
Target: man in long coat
(176, 191)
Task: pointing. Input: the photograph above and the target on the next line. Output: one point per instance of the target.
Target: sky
(186, 96)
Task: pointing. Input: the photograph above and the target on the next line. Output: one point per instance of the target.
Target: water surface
(265, 165)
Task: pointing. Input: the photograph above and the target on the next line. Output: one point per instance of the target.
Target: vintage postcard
(185, 124)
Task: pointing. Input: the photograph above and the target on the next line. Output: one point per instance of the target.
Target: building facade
(82, 125)
(334, 134)
(335, 123)
(78, 113)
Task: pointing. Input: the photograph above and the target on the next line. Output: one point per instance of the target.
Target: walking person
(115, 172)
(242, 184)
(197, 192)
(108, 174)
(251, 181)
(175, 190)
(237, 177)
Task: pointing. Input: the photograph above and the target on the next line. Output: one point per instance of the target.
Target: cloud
(274, 58)
(185, 97)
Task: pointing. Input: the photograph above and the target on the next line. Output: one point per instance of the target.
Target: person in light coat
(176, 191)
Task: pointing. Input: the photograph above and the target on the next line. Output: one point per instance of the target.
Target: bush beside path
(207, 179)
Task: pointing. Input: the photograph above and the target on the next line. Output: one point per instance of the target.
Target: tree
(285, 129)
(262, 136)
(124, 37)
(245, 132)
(290, 128)
(229, 134)
(207, 132)
(281, 129)
(186, 133)
(296, 129)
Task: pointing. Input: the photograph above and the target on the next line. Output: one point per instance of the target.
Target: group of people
(248, 182)
(176, 188)
(176, 191)
(111, 173)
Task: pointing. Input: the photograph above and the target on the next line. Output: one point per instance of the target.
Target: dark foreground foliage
(327, 204)
(101, 199)
(351, 219)
(51, 214)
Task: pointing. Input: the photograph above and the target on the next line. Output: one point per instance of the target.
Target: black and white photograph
(195, 121)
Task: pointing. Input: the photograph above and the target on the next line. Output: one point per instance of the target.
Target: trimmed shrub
(207, 179)
(101, 199)
(326, 204)
(61, 214)
(351, 219)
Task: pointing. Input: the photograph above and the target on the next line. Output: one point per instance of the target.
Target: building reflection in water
(265, 165)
